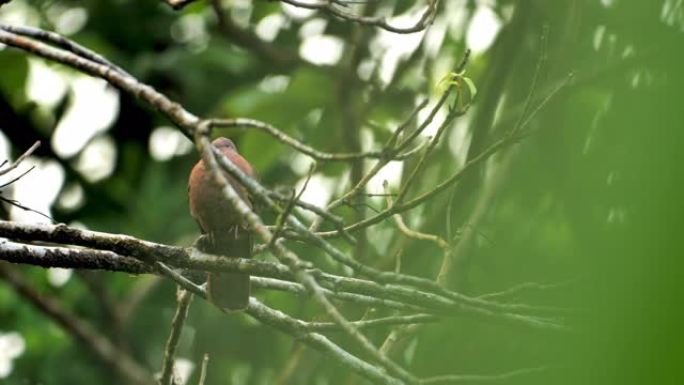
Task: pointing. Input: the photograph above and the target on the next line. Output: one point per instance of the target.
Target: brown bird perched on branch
(225, 231)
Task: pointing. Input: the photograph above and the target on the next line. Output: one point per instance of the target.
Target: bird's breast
(208, 205)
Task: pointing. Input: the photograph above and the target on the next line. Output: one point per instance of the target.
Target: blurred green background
(591, 199)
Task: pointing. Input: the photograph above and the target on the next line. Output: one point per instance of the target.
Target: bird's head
(223, 143)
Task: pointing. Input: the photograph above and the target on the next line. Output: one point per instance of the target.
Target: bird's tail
(230, 291)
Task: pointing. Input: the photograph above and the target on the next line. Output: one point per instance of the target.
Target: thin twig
(289, 325)
(423, 159)
(20, 159)
(356, 298)
(401, 225)
(523, 287)
(18, 205)
(282, 217)
(185, 120)
(535, 78)
(23, 174)
(377, 322)
(62, 42)
(179, 278)
(482, 378)
(296, 144)
(203, 370)
(183, 298)
(330, 8)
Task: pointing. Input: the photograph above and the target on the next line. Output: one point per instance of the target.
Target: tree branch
(20, 159)
(482, 378)
(289, 325)
(282, 58)
(174, 111)
(183, 297)
(335, 8)
(125, 253)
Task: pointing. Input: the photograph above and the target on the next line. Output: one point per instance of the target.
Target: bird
(224, 230)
